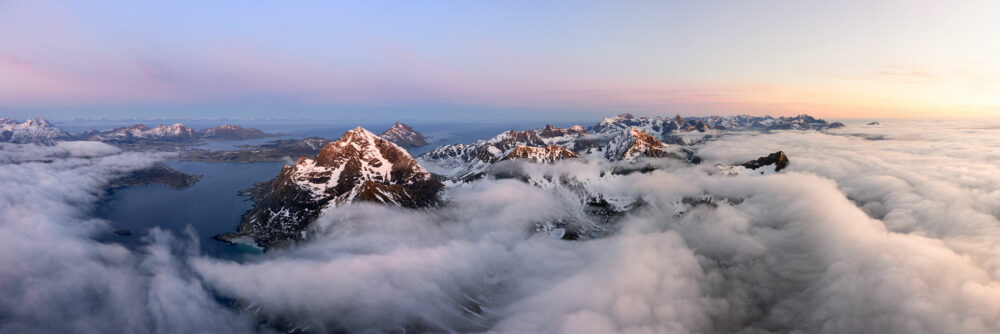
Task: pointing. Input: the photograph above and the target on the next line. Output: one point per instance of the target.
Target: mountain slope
(635, 143)
(360, 166)
(548, 154)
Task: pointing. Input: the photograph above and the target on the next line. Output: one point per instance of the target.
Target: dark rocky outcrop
(778, 159)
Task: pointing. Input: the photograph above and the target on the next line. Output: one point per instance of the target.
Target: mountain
(635, 143)
(177, 132)
(36, 130)
(460, 161)
(232, 132)
(547, 154)
(659, 126)
(360, 166)
(404, 135)
(465, 161)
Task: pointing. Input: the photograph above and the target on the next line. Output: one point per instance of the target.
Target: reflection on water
(212, 206)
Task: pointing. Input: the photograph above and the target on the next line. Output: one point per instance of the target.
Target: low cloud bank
(56, 278)
(859, 235)
(894, 235)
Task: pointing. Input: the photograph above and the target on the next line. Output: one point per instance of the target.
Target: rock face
(32, 131)
(769, 164)
(232, 132)
(777, 159)
(404, 135)
(177, 133)
(548, 154)
(633, 144)
(360, 166)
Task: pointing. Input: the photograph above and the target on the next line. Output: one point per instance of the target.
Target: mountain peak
(635, 143)
(35, 130)
(38, 121)
(359, 166)
(404, 135)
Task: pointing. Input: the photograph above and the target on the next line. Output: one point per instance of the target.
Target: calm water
(212, 206)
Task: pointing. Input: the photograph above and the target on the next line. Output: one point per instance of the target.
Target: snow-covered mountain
(232, 132)
(547, 154)
(659, 126)
(623, 137)
(634, 143)
(176, 132)
(465, 161)
(360, 166)
(36, 130)
(459, 161)
(404, 135)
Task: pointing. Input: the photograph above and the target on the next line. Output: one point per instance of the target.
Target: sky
(555, 60)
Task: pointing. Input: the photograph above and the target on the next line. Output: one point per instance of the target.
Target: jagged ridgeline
(40, 131)
(360, 166)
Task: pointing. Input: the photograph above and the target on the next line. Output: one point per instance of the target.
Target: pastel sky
(498, 59)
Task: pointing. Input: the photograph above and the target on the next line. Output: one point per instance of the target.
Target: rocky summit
(360, 166)
(404, 136)
(633, 144)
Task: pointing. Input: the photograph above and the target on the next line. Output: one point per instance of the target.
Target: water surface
(212, 206)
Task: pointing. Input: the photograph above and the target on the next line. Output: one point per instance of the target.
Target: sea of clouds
(893, 228)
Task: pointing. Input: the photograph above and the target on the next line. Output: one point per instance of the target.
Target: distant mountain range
(623, 137)
(34, 130)
(40, 131)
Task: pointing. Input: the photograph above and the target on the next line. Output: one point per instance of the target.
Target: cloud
(857, 236)
(57, 278)
(896, 235)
